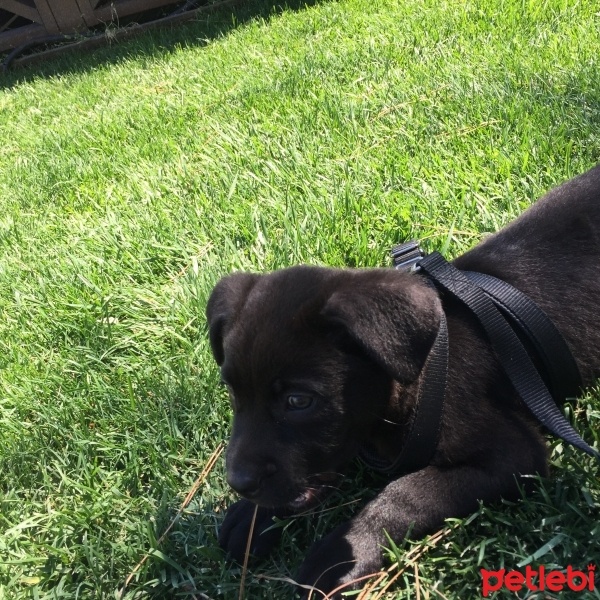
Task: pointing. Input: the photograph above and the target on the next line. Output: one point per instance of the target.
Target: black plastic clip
(406, 256)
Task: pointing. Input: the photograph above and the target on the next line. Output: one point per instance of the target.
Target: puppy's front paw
(341, 558)
(234, 532)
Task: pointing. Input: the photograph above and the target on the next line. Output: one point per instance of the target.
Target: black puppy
(321, 362)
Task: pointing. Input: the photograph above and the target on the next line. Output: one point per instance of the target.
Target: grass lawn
(132, 178)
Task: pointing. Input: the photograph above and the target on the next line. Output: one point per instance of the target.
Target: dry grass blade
(247, 554)
(417, 583)
(309, 588)
(194, 489)
(412, 557)
(341, 588)
(312, 589)
(370, 587)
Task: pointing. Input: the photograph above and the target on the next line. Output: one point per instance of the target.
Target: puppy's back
(552, 254)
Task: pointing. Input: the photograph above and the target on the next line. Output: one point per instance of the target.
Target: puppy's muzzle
(249, 480)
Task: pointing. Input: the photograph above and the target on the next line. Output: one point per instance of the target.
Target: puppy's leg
(234, 532)
(419, 503)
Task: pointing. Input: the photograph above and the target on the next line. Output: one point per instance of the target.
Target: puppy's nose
(245, 484)
(248, 483)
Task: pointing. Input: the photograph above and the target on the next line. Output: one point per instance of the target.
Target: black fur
(321, 360)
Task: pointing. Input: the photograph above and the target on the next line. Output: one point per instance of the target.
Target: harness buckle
(406, 256)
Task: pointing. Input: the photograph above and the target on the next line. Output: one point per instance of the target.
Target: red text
(538, 580)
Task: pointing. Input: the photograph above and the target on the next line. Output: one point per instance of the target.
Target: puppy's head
(310, 356)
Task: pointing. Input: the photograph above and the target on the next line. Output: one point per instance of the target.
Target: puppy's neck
(389, 431)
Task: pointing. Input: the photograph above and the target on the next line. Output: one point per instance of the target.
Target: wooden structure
(25, 21)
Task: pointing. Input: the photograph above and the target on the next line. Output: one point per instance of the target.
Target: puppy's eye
(299, 401)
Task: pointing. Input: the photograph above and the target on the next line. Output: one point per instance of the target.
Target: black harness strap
(502, 310)
(426, 421)
(510, 351)
(547, 342)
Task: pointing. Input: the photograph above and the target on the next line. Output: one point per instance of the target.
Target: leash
(508, 317)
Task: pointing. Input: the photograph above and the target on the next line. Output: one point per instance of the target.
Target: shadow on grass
(154, 41)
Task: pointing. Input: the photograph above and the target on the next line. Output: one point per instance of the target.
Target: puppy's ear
(224, 304)
(394, 321)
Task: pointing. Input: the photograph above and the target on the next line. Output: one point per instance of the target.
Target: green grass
(131, 179)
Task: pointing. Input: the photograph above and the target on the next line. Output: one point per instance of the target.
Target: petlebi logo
(539, 580)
